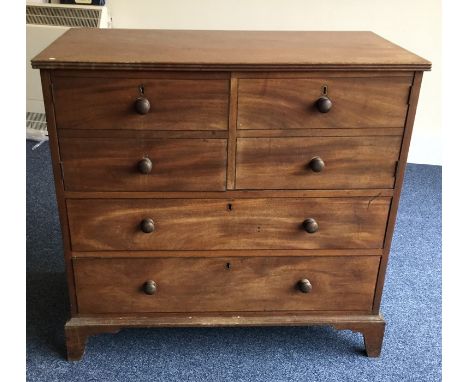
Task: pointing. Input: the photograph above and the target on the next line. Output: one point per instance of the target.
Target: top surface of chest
(225, 50)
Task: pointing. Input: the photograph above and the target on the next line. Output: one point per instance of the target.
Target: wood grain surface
(46, 82)
(176, 104)
(232, 253)
(100, 164)
(225, 50)
(413, 103)
(290, 103)
(225, 284)
(79, 328)
(231, 129)
(211, 224)
(350, 162)
(230, 194)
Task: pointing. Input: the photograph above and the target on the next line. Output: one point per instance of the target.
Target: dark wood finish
(231, 168)
(368, 132)
(238, 194)
(157, 134)
(261, 170)
(76, 336)
(224, 284)
(175, 104)
(78, 329)
(306, 74)
(232, 253)
(151, 134)
(413, 103)
(213, 224)
(350, 162)
(225, 50)
(100, 164)
(373, 334)
(291, 103)
(172, 75)
(59, 189)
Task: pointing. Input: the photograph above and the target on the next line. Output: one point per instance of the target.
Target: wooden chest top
(225, 50)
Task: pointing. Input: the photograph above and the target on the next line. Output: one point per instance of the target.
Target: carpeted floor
(411, 305)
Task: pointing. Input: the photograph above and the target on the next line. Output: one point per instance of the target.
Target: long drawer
(225, 284)
(317, 163)
(209, 224)
(116, 103)
(106, 164)
(269, 103)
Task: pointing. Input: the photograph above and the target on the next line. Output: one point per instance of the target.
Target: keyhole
(228, 266)
(229, 207)
(142, 89)
(324, 90)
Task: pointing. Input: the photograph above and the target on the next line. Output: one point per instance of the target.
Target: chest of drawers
(227, 178)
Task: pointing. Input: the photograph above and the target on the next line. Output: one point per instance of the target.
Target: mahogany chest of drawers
(227, 178)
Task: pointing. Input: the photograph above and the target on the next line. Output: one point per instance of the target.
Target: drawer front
(316, 163)
(224, 284)
(101, 164)
(292, 103)
(204, 224)
(110, 103)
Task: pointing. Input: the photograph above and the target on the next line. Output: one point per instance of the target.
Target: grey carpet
(411, 305)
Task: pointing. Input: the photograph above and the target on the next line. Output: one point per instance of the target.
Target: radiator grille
(36, 126)
(62, 16)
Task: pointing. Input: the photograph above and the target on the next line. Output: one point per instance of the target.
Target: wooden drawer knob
(323, 104)
(304, 286)
(310, 225)
(142, 105)
(149, 287)
(317, 164)
(147, 225)
(145, 166)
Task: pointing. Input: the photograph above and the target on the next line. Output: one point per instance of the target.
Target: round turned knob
(147, 225)
(324, 104)
(310, 225)
(142, 105)
(304, 286)
(145, 166)
(149, 287)
(317, 164)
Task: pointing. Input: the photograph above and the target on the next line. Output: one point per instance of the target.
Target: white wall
(413, 24)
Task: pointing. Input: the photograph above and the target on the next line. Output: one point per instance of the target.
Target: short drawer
(225, 284)
(101, 164)
(292, 103)
(209, 224)
(317, 163)
(113, 103)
